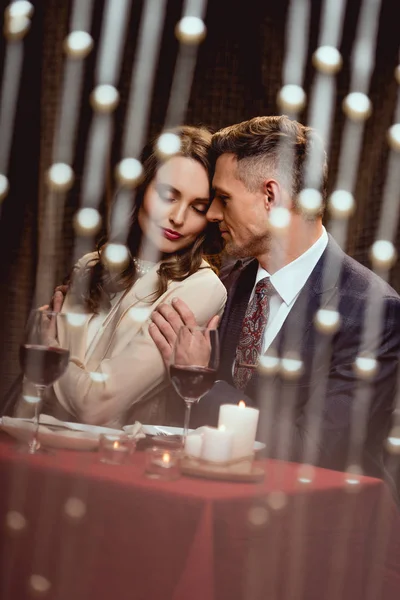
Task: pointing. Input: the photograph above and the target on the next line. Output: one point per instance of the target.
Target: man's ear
(272, 193)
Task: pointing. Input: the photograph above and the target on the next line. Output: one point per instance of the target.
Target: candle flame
(116, 445)
(166, 457)
(242, 404)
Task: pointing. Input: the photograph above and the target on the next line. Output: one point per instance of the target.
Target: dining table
(75, 528)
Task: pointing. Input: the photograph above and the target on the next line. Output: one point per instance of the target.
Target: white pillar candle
(193, 444)
(217, 444)
(242, 420)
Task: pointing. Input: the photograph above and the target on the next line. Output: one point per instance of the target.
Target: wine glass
(43, 360)
(194, 365)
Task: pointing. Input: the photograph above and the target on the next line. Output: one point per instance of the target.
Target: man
(308, 335)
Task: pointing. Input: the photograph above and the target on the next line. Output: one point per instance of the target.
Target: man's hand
(167, 321)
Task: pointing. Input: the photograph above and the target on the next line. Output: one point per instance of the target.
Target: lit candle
(162, 464)
(193, 444)
(115, 449)
(242, 420)
(217, 444)
(165, 461)
(118, 448)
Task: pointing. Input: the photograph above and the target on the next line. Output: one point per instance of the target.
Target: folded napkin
(135, 430)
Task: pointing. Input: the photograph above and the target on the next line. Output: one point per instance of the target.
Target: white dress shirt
(288, 283)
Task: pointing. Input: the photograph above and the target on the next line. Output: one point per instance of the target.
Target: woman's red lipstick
(170, 234)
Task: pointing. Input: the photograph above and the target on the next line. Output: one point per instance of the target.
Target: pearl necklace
(142, 266)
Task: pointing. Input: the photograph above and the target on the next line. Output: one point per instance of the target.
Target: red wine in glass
(44, 357)
(193, 366)
(43, 365)
(192, 382)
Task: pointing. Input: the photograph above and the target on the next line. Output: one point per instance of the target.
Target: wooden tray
(244, 471)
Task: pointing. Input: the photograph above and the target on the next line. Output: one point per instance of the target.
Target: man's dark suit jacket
(313, 418)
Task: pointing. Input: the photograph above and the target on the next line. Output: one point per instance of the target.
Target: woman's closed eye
(200, 208)
(165, 193)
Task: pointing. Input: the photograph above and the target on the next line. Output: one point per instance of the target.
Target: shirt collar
(290, 279)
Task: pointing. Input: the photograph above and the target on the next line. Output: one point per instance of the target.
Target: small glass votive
(116, 449)
(163, 463)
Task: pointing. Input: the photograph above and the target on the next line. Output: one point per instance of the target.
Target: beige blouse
(121, 378)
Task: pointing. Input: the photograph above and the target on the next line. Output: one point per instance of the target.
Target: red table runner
(78, 529)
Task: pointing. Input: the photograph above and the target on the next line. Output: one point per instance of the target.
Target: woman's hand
(58, 298)
(48, 322)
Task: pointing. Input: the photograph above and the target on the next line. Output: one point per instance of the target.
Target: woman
(116, 373)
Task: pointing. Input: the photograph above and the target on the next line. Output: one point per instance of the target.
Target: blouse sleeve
(123, 380)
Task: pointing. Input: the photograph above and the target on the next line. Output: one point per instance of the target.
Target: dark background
(238, 75)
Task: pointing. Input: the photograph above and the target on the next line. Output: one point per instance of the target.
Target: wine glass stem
(34, 445)
(187, 419)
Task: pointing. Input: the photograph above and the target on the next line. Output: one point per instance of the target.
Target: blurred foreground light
(15, 28)
(39, 584)
(19, 8)
(357, 106)
(327, 320)
(306, 474)
(383, 254)
(190, 30)
(4, 186)
(279, 217)
(129, 172)
(352, 475)
(269, 364)
(327, 60)
(310, 201)
(116, 254)
(365, 366)
(139, 315)
(31, 399)
(168, 144)
(78, 44)
(397, 74)
(393, 137)
(291, 367)
(87, 221)
(75, 508)
(98, 377)
(76, 319)
(393, 441)
(341, 204)
(352, 480)
(104, 98)
(60, 177)
(258, 516)
(291, 98)
(277, 499)
(15, 521)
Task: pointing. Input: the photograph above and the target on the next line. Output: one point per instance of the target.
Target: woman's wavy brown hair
(98, 283)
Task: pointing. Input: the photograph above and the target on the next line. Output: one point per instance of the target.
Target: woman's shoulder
(204, 279)
(207, 273)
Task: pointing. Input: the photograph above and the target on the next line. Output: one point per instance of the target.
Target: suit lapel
(320, 291)
(240, 287)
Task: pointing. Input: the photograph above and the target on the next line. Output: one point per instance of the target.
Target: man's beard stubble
(256, 247)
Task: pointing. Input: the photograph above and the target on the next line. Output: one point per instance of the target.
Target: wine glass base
(33, 449)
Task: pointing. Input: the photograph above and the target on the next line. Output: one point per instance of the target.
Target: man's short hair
(275, 146)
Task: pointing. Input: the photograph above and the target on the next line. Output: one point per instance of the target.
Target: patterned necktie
(251, 336)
